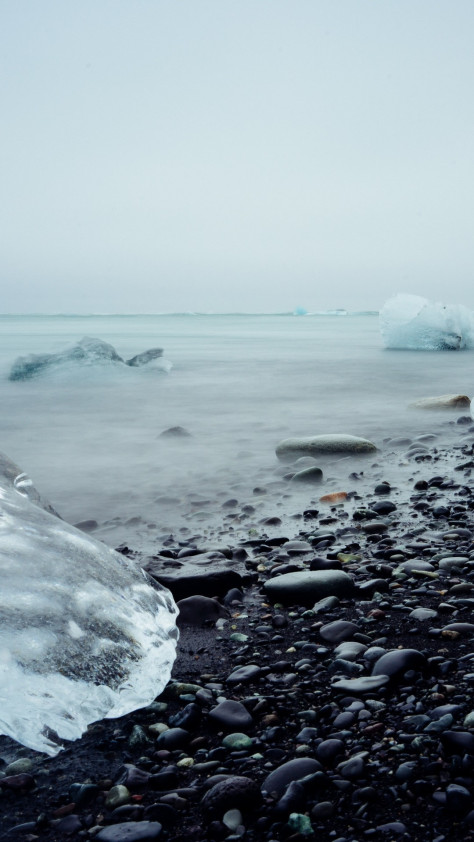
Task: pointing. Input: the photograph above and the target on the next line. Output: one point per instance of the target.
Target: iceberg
(414, 323)
(89, 351)
(84, 633)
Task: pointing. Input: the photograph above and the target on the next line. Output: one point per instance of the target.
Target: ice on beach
(88, 352)
(84, 634)
(414, 323)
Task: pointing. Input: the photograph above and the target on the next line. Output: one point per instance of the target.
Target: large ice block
(83, 633)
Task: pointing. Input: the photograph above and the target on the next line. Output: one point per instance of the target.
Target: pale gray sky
(235, 155)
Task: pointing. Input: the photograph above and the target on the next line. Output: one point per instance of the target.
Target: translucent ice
(414, 323)
(83, 633)
(89, 351)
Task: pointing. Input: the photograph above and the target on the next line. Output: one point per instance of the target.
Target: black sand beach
(289, 721)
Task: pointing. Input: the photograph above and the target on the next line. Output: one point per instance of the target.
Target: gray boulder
(333, 443)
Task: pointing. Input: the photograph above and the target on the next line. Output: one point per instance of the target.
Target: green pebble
(238, 637)
(157, 707)
(469, 720)
(117, 796)
(300, 823)
(138, 737)
(237, 741)
(17, 767)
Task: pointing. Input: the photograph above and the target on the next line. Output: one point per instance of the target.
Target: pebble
(130, 832)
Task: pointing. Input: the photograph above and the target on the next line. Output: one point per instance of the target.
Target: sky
(235, 155)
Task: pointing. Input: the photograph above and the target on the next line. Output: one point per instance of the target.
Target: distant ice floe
(414, 323)
(88, 352)
(84, 634)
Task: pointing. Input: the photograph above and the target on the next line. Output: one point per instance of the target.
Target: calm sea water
(90, 437)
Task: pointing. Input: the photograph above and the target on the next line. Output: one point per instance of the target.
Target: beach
(282, 719)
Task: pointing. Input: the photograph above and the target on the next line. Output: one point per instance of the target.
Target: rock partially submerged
(88, 351)
(443, 402)
(333, 443)
(83, 633)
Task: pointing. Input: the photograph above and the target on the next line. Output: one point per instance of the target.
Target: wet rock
(199, 610)
(236, 792)
(130, 832)
(289, 449)
(397, 662)
(242, 675)
(310, 476)
(294, 770)
(231, 716)
(175, 432)
(360, 686)
(306, 587)
(338, 630)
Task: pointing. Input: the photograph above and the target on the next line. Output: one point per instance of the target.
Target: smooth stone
(307, 586)
(365, 684)
(232, 819)
(328, 750)
(244, 674)
(350, 650)
(396, 662)
(198, 610)
(291, 448)
(458, 742)
(236, 792)
(231, 716)
(237, 741)
(130, 832)
(423, 614)
(293, 770)
(309, 475)
(325, 604)
(338, 631)
(117, 796)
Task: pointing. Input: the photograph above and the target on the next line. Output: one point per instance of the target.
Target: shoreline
(395, 762)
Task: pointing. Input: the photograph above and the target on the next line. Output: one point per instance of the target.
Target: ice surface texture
(83, 633)
(89, 351)
(414, 323)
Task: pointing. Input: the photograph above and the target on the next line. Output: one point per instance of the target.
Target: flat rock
(356, 686)
(292, 448)
(205, 574)
(130, 832)
(306, 587)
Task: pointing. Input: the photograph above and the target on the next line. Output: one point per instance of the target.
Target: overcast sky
(235, 155)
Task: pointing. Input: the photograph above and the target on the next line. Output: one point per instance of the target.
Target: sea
(90, 437)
